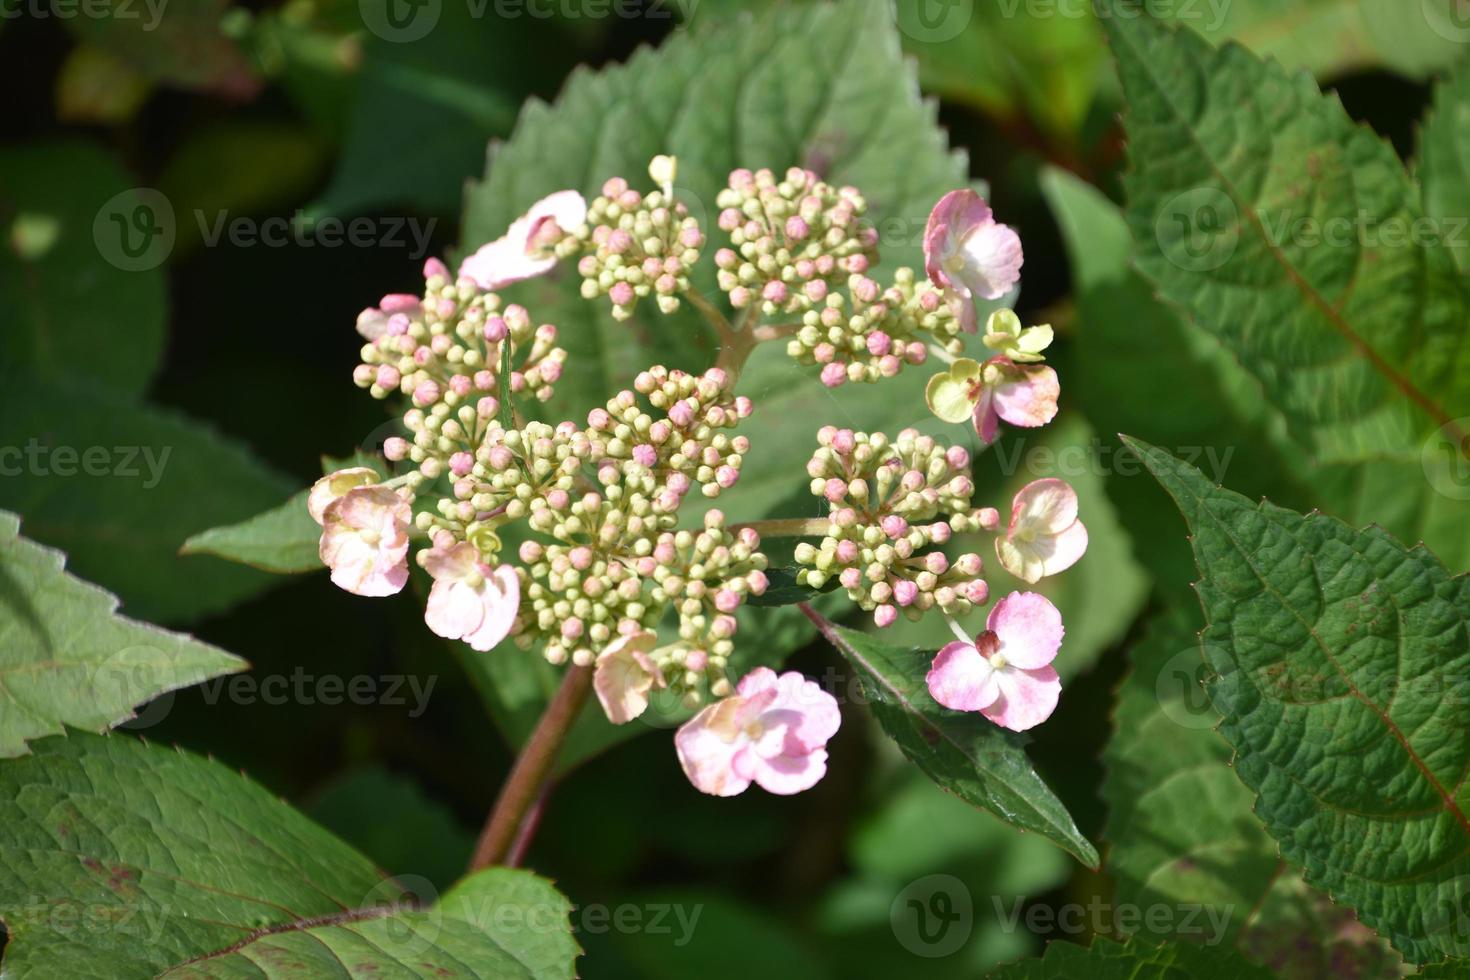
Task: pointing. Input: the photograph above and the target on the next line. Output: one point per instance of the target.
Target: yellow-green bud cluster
(637, 246)
(794, 239)
(883, 539)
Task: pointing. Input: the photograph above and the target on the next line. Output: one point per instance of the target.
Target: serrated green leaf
(1342, 659)
(1136, 960)
(182, 867)
(1290, 233)
(964, 753)
(1174, 383)
(282, 539)
(1181, 834)
(119, 487)
(67, 658)
(71, 312)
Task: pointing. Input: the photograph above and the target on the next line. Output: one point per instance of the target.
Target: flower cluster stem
(793, 527)
(528, 778)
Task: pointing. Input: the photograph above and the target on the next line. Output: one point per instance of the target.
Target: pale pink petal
(817, 715)
(757, 681)
(987, 422)
(1027, 698)
(455, 563)
(1031, 399)
(707, 745)
(335, 485)
(453, 610)
(952, 219)
(500, 600)
(624, 676)
(1064, 550)
(1029, 628)
(961, 678)
(1048, 505)
(786, 775)
(519, 254)
(992, 259)
(372, 323)
(567, 208)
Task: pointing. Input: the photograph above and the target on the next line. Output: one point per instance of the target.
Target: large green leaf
(1174, 384)
(1342, 659)
(179, 866)
(70, 309)
(1181, 834)
(67, 658)
(1444, 162)
(1107, 960)
(1296, 237)
(119, 487)
(966, 754)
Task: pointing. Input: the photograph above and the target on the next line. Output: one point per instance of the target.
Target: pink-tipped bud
(487, 407)
(835, 490)
(850, 578)
(495, 329)
(619, 241)
(816, 290)
(894, 526)
(936, 562)
(843, 441)
(531, 552)
(434, 267)
(558, 499)
(691, 237)
(775, 291)
(460, 384)
(878, 343)
(834, 375)
(621, 294)
(426, 393)
(461, 463)
(730, 219)
(940, 532)
(727, 600)
(388, 377)
(645, 455)
(696, 660)
(989, 518)
(847, 551)
(681, 414)
(796, 228)
(957, 457)
(501, 458)
(726, 476)
(756, 581)
(884, 616)
(905, 592)
(865, 289)
(395, 448)
(977, 591)
(581, 557)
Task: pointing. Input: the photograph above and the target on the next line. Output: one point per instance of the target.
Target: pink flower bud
(558, 499)
(884, 616)
(501, 458)
(743, 408)
(835, 490)
(691, 237)
(581, 557)
(487, 407)
(775, 291)
(388, 377)
(989, 518)
(796, 228)
(399, 303)
(531, 552)
(434, 267)
(843, 441)
(936, 562)
(364, 374)
(621, 294)
(495, 329)
(977, 591)
(426, 393)
(850, 578)
(834, 375)
(395, 448)
(865, 289)
(895, 526)
(847, 551)
(619, 241)
(727, 600)
(726, 476)
(957, 457)
(461, 463)
(756, 581)
(904, 592)
(940, 532)
(681, 414)
(645, 455)
(571, 629)
(878, 343)
(696, 660)
(460, 384)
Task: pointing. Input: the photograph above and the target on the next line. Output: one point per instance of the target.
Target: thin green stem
(792, 527)
(712, 314)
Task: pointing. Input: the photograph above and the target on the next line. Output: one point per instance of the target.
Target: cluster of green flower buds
(794, 239)
(876, 332)
(638, 245)
(884, 534)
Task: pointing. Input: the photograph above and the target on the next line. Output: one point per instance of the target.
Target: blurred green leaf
(1444, 162)
(1341, 658)
(175, 42)
(95, 86)
(283, 539)
(120, 486)
(69, 659)
(1181, 832)
(71, 310)
(1354, 330)
(1137, 960)
(390, 819)
(965, 753)
(230, 170)
(198, 872)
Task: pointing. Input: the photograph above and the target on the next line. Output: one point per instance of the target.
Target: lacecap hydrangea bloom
(576, 539)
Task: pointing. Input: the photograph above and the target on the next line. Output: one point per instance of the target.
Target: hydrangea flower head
(365, 540)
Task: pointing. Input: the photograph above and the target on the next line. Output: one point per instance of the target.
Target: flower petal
(1027, 698)
(1030, 399)
(454, 609)
(987, 422)
(624, 676)
(786, 775)
(1045, 506)
(500, 598)
(707, 747)
(1029, 628)
(962, 679)
(950, 393)
(992, 259)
